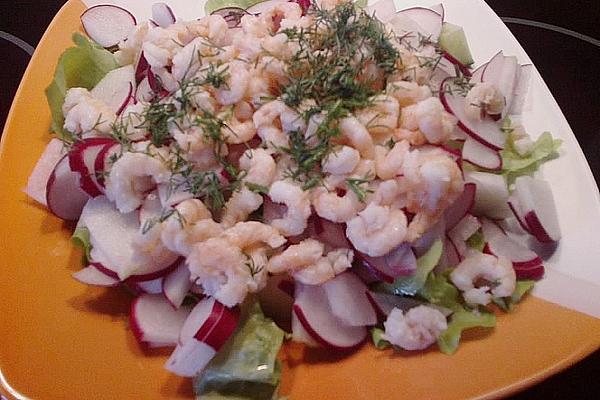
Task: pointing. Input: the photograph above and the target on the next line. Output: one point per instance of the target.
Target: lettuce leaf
(81, 238)
(246, 367)
(476, 241)
(379, 342)
(461, 320)
(80, 66)
(508, 303)
(513, 164)
(410, 285)
(438, 290)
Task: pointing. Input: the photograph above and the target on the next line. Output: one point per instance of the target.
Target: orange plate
(62, 340)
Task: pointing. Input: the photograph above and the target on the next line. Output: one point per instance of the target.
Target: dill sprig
(164, 215)
(251, 265)
(357, 186)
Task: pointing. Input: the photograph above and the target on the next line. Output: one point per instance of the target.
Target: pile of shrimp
(392, 147)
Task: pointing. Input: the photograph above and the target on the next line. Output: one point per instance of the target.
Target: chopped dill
(256, 188)
(251, 265)
(356, 185)
(164, 215)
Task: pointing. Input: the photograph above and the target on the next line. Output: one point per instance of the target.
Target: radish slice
(384, 303)
(450, 257)
(491, 195)
(332, 234)
(82, 158)
(116, 88)
(460, 207)
(144, 92)
(107, 24)
(300, 335)
(90, 275)
(205, 331)
(500, 244)
(231, 15)
(481, 155)
(521, 89)
(515, 207)
(537, 202)
(348, 301)
(64, 196)
(153, 286)
(465, 228)
(38, 180)
(422, 244)
(484, 131)
(477, 74)
(141, 68)
(104, 160)
(384, 10)
(176, 285)
(152, 319)
(163, 15)
(427, 22)
(536, 272)
(399, 262)
(314, 313)
(439, 8)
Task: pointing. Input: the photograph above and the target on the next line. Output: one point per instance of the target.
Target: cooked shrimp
(418, 329)
(497, 273)
(332, 206)
(357, 136)
(484, 98)
(306, 263)
(408, 93)
(377, 229)
(130, 176)
(198, 149)
(84, 113)
(236, 85)
(240, 205)
(259, 166)
(276, 113)
(294, 221)
(434, 121)
(237, 132)
(251, 233)
(273, 137)
(281, 11)
(341, 160)
(382, 116)
(388, 162)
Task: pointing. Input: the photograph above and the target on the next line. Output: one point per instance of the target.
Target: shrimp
(130, 48)
(237, 83)
(434, 121)
(357, 136)
(276, 113)
(240, 205)
(277, 46)
(416, 329)
(388, 163)
(330, 205)
(377, 229)
(191, 222)
(386, 194)
(342, 160)
(212, 27)
(382, 116)
(307, 264)
(259, 165)
(220, 267)
(499, 272)
(273, 137)
(408, 93)
(84, 113)
(484, 98)
(294, 221)
(198, 149)
(243, 111)
(160, 46)
(130, 176)
(279, 12)
(237, 132)
(251, 233)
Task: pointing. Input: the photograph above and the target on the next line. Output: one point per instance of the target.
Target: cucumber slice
(453, 41)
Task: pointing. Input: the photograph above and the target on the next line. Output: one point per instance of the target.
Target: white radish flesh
(82, 158)
(64, 196)
(189, 358)
(491, 195)
(481, 155)
(38, 180)
(116, 88)
(107, 24)
(500, 244)
(521, 89)
(537, 202)
(104, 161)
(348, 301)
(177, 284)
(313, 312)
(461, 206)
(153, 286)
(300, 335)
(90, 275)
(465, 228)
(428, 22)
(154, 320)
(163, 15)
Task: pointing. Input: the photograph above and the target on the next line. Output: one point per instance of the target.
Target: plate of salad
(290, 199)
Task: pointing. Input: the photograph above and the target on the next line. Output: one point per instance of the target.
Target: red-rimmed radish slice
(157, 268)
(515, 207)
(384, 303)
(501, 71)
(536, 272)
(64, 196)
(91, 275)
(477, 74)
(38, 180)
(429, 22)
(153, 286)
(500, 244)
(481, 155)
(82, 157)
(383, 10)
(263, 6)
(276, 300)
(300, 335)
(163, 15)
(461, 206)
(491, 195)
(104, 161)
(422, 244)
(346, 295)
(107, 24)
(485, 131)
(493, 69)
(141, 68)
(156, 85)
(143, 91)
(176, 285)
(314, 313)
(459, 245)
(457, 64)
(439, 8)
(401, 261)
(205, 331)
(116, 88)
(450, 256)
(539, 211)
(465, 228)
(521, 89)
(333, 234)
(153, 320)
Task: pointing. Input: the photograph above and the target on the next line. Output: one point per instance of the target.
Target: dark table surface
(561, 37)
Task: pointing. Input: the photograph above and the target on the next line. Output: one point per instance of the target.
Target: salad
(316, 172)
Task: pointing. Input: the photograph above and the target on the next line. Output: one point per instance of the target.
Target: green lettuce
(508, 303)
(514, 165)
(410, 285)
(476, 241)
(459, 321)
(378, 341)
(81, 238)
(247, 366)
(440, 291)
(80, 66)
